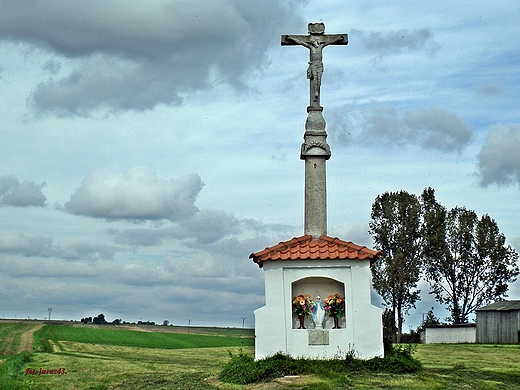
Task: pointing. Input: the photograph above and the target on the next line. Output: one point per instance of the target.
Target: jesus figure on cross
(315, 42)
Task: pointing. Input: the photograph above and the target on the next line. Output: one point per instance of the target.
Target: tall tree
(466, 260)
(395, 228)
(430, 320)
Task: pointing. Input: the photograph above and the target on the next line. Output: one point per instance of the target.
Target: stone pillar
(315, 151)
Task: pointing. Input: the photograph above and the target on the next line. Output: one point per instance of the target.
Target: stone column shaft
(315, 222)
(315, 151)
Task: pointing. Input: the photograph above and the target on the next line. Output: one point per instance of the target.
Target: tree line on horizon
(463, 258)
(100, 319)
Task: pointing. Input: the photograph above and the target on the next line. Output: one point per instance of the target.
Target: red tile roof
(307, 248)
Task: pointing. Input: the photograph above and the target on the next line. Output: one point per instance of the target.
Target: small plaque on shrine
(318, 337)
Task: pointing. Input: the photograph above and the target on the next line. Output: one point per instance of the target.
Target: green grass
(104, 365)
(89, 366)
(479, 366)
(10, 369)
(10, 336)
(56, 335)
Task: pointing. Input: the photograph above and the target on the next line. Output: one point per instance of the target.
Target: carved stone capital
(315, 148)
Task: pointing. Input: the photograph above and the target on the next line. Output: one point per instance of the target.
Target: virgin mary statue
(318, 313)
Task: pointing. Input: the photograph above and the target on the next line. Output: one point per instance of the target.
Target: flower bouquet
(335, 306)
(302, 306)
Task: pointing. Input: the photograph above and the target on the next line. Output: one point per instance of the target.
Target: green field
(138, 338)
(110, 358)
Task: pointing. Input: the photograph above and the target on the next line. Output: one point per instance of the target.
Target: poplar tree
(395, 228)
(467, 262)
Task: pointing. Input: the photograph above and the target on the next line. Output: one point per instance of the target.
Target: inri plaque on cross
(315, 42)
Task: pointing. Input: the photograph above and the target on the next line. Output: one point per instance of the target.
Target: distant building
(449, 334)
(499, 322)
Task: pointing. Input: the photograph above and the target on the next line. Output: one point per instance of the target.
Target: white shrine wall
(276, 327)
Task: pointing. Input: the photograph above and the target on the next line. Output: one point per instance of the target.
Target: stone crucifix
(315, 150)
(315, 42)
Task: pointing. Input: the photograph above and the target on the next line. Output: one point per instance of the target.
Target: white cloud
(26, 244)
(208, 226)
(7, 182)
(34, 245)
(429, 128)
(26, 193)
(137, 196)
(138, 54)
(437, 128)
(140, 237)
(34, 268)
(394, 42)
(86, 251)
(140, 275)
(204, 230)
(499, 159)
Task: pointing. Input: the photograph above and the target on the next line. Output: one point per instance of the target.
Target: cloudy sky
(148, 147)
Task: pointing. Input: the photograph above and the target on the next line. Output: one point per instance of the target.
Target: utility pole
(243, 321)
(189, 324)
(50, 311)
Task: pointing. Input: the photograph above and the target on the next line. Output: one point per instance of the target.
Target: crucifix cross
(315, 42)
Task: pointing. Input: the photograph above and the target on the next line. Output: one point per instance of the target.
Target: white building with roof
(317, 267)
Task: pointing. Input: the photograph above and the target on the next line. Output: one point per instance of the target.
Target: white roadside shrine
(317, 267)
(321, 274)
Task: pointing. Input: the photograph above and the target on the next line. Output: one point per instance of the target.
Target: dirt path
(26, 341)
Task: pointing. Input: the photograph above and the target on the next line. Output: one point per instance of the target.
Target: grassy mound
(242, 369)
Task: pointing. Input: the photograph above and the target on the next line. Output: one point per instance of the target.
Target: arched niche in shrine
(317, 286)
